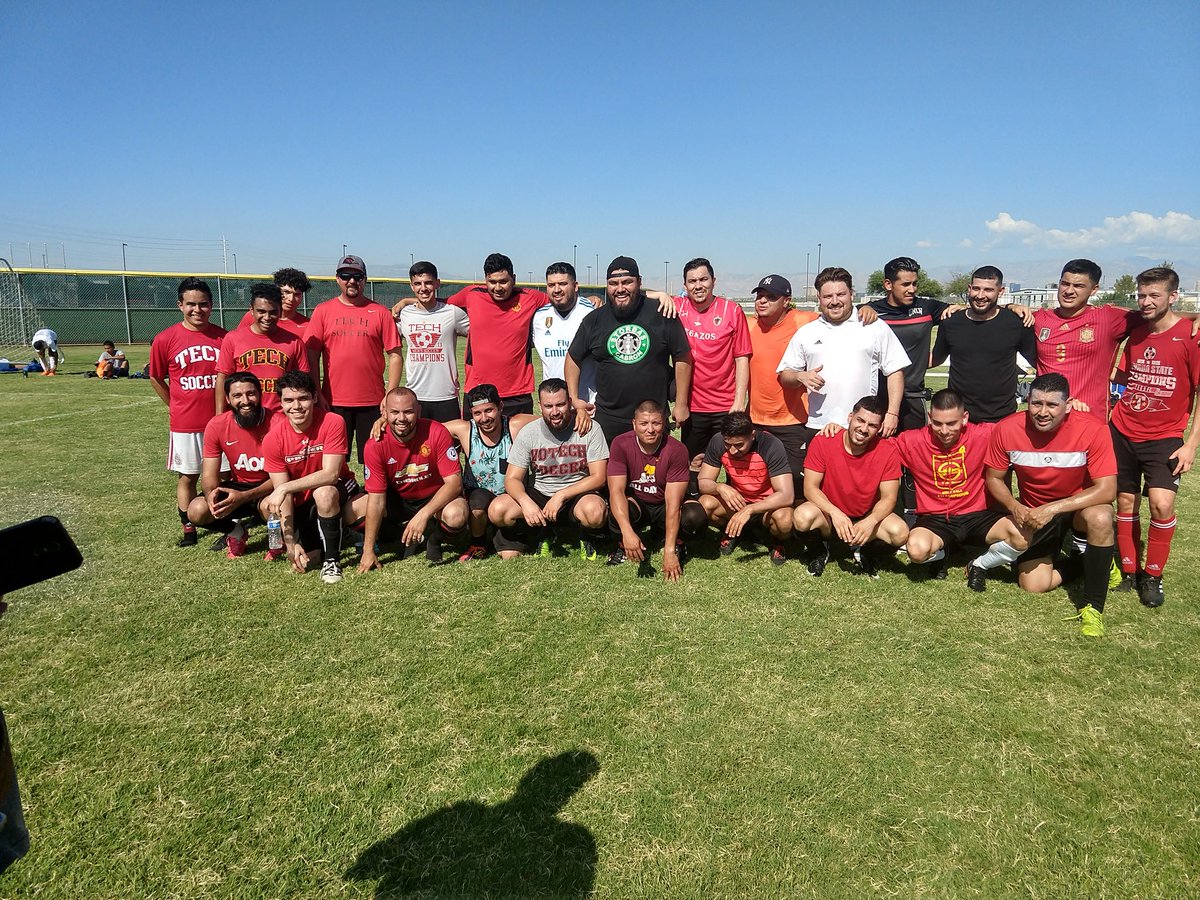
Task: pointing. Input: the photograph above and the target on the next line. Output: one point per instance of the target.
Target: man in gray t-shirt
(567, 468)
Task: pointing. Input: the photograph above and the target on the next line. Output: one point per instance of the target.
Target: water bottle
(274, 533)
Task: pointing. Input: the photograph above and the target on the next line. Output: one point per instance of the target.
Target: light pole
(597, 266)
(343, 249)
(531, 276)
(806, 257)
(666, 277)
(234, 263)
(412, 259)
(589, 281)
(818, 257)
(574, 256)
(124, 265)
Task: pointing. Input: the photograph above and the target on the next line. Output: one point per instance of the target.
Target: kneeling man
(851, 481)
(413, 478)
(568, 469)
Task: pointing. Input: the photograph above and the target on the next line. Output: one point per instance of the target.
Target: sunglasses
(351, 276)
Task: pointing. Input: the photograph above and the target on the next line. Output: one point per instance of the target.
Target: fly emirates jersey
(241, 447)
(1057, 465)
(552, 334)
(300, 453)
(949, 481)
(267, 356)
(187, 361)
(414, 469)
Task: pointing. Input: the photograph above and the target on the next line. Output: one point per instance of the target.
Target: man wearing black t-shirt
(636, 351)
(982, 343)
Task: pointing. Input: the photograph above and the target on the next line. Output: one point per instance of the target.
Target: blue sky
(1017, 134)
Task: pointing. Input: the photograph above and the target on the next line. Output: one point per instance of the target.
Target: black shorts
(248, 510)
(795, 440)
(612, 426)
(440, 410)
(912, 412)
(1047, 542)
(1151, 459)
(963, 530)
(566, 514)
(512, 537)
(305, 514)
(359, 422)
(641, 513)
(400, 511)
(480, 499)
(699, 429)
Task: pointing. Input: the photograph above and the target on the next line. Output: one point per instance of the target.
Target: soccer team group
(805, 432)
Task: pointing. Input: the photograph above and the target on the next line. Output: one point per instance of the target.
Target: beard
(250, 420)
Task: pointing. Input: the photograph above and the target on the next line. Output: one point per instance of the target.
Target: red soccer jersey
(295, 325)
(1083, 349)
(297, 453)
(949, 482)
(648, 473)
(352, 340)
(187, 361)
(852, 482)
(414, 469)
(717, 337)
(1057, 465)
(750, 475)
(223, 436)
(1163, 373)
(266, 355)
(499, 350)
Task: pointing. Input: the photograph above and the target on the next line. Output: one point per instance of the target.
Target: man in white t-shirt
(838, 360)
(430, 328)
(45, 342)
(555, 324)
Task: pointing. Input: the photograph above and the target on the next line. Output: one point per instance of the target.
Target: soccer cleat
(778, 555)
(616, 557)
(727, 545)
(1150, 591)
(681, 551)
(331, 571)
(1115, 575)
(189, 539)
(433, 546)
(976, 578)
(1091, 621)
(272, 555)
(235, 546)
(587, 550)
(1127, 583)
(474, 551)
(865, 563)
(817, 564)
(936, 570)
(219, 544)
(543, 550)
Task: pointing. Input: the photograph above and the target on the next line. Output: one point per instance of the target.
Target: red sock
(1159, 546)
(1129, 538)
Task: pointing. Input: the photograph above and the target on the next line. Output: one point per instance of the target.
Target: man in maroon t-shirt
(647, 480)
(313, 488)
(183, 372)
(262, 348)
(757, 488)
(413, 479)
(1161, 372)
(851, 481)
(235, 438)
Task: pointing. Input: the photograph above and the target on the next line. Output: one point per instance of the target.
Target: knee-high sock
(1097, 561)
(330, 528)
(1129, 540)
(997, 554)
(1159, 546)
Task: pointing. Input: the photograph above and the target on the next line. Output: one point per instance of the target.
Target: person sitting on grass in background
(413, 481)
(313, 488)
(568, 470)
(112, 362)
(758, 486)
(233, 448)
(648, 477)
(851, 481)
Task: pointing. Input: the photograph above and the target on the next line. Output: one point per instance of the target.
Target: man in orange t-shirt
(773, 408)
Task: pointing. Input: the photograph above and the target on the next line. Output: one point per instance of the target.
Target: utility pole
(666, 277)
(225, 254)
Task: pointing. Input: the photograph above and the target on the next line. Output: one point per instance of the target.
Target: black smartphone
(35, 551)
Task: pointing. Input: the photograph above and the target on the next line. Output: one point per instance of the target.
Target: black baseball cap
(775, 284)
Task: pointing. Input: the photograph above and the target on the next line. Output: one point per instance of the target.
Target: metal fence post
(220, 302)
(128, 321)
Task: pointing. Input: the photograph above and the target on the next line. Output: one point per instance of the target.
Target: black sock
(330, 528)
(1097, 562)
(224, 526)
(1069, 568)
(183, 519)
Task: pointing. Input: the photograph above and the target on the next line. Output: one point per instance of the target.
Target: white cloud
(1133, 229)
(966, 242)
(922, 245)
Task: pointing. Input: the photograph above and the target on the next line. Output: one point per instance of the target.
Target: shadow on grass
(517, 848)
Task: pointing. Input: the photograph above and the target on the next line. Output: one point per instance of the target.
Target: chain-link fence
(89, 307)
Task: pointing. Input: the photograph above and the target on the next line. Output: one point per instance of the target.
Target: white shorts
(185, 453)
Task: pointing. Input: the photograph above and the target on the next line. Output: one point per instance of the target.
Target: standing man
(757, 491)
(568, 470)
(233, 442)
(838, 360)
(719, 339)
(430, 329)
(183, 372)
(351, 334)
(982, 343)
(647, 480)
(775, 409)
(851, 481)
(1161, 372)
(636, 351)
(45, 342)
(293, 285)
(413, 479)
(555, 326)
(1067, 477)
(312, 487)
(263, 348)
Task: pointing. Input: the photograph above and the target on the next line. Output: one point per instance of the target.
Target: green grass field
(190, 726)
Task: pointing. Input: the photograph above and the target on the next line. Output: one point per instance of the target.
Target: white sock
(998, 554)
(940, 553)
